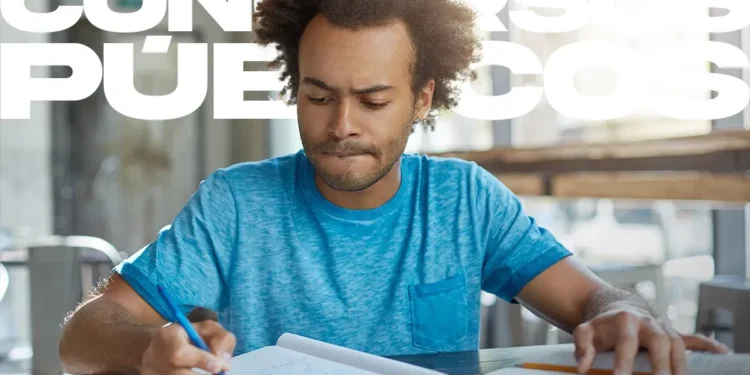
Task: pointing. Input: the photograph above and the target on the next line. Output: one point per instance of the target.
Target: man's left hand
(626, 330)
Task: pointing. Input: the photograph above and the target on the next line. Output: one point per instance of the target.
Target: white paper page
(350, 357)
(698, 363)
(708, 364)
(273, 360)
(523, 371)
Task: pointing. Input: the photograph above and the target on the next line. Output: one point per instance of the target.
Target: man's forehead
(368, 56)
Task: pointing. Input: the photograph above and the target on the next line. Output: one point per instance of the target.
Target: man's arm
(120, 329)
(110, 332)
(117, 332)
(568, 294)
(604, 318)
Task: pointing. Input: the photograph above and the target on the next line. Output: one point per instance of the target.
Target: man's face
(355, 105)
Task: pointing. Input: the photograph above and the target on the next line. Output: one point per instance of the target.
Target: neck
(369, 198)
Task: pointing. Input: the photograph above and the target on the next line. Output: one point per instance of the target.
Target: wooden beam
(715, 152)
(672, 186)
(524, 184)
(699, 144)
(711, 167)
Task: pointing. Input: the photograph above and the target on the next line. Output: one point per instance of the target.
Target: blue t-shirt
(259, 244)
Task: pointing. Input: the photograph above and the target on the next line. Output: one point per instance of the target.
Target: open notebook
(698, 363)
(297, 355)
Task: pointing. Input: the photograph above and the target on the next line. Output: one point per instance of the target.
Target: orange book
(570, 369)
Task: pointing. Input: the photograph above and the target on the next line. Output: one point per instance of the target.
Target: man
(351, 241)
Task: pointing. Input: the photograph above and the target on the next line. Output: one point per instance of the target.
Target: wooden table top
(478, 362)
(485, 361)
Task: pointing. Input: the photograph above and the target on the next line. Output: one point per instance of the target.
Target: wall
(25, 183)
(25, 188)
(132, 177)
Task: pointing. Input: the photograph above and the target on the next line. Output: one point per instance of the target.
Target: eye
(372, 105)
(318, 100)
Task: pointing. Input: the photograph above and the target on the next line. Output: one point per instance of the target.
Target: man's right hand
(172, 353)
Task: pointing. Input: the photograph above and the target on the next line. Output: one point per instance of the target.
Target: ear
(424, 100)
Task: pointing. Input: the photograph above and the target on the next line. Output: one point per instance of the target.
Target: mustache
(349, 147)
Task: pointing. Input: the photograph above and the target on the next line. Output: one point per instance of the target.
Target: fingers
(627, 331)
(222, 346)
(583, 337)
(189, 357)
(221, 342)
(151, 371)
(626, 347)
(659, 345)
(180, 353)
(679, 355)
(704, 344)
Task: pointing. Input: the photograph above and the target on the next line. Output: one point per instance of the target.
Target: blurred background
(82, 187)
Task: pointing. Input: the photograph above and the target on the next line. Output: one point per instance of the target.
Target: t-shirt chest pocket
(439, 313)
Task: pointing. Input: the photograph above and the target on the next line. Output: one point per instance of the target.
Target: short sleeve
(189, 258)
(518, 249)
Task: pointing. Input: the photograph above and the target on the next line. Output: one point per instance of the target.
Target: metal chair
(731, 294)
(501, 324)
(80, 242)
(4, 281)
(55, 264)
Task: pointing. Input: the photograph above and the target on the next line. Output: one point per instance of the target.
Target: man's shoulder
(453, 178)
(268, 172)
(438, 168)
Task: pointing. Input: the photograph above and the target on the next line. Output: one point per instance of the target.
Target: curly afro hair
(442, 34)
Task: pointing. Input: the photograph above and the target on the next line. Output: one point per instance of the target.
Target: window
(677, 235)
(455, 132)
(546, 126)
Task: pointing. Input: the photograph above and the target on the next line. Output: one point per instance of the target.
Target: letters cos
(640, 82)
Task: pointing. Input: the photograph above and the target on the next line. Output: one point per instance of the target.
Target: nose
(341, 126)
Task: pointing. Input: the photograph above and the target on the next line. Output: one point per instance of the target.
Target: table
(455, 363)
(477, 362)
(484, 361)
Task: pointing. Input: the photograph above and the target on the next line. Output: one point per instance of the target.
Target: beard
(356, 175)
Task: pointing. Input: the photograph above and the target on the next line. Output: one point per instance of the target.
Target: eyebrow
(369, 90)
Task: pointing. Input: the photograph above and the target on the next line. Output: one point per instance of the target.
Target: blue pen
(183, 321)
